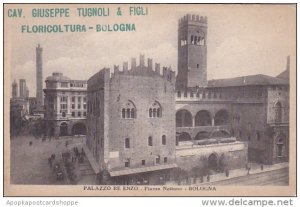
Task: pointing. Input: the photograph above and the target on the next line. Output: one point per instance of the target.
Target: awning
(141, 170)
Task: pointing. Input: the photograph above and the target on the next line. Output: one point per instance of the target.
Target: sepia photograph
(150, 99)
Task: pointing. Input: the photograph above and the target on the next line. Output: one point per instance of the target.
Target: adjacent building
(131, 125)
(65, 105)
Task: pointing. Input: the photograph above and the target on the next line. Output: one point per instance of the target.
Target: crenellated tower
(192, 52)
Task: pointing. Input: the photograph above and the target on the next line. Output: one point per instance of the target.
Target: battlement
(144, 70)
(192, 18)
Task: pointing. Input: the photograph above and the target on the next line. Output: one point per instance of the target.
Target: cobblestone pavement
(29, 164)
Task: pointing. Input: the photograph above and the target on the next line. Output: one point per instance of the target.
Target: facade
(218, 125)
(252, 109)
(65, 105)
(131, 125)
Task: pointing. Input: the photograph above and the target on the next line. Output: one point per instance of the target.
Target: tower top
(192, 18)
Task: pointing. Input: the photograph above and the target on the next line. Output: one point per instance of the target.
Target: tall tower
(39, 77)
(22, 85)
(14, 89)
(192, 51)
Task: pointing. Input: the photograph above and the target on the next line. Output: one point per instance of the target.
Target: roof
(57, 77)
(250, 80)
(284, 75)
(142, 169)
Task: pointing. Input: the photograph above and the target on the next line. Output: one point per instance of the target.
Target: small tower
(192, 52)
(14, 89)
(39, 77)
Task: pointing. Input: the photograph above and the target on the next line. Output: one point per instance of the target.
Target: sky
(242, 40)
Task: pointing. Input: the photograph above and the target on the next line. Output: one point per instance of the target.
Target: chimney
(125, 66)
(150, 63)
(133, 63)
(142, 60)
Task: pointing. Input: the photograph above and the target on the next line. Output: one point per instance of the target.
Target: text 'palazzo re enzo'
(142, 121)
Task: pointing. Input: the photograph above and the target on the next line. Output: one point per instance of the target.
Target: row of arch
(184, 136)
(78, 128)
(184, 118)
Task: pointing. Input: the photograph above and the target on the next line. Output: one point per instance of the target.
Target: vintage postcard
(150, 99)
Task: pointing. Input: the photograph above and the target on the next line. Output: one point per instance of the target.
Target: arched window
(222, 117)
(128, 111)
(155, 110)
(150, 112)
(123, 113)
(278, 112)
(132, 115)
(163, 140)
(127, 143)
(150, 141)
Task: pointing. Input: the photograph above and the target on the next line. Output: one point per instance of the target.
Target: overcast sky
(242, 40)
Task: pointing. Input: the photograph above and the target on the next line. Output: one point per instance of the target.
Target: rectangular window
(143, 162)
(127, 143)
(79, 99)
(127, 163)
(79, 114)
(84, 99)
(73, 106)
(165, 159)
(84, 106)
(79, 106)
(73, 98)
(157, 160)
(185, 94)
(73, 114)
(84, 113)
(150, 143)
(192, 94)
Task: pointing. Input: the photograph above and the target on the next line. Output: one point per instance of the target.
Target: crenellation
(142, 60)
(116, 68)
(150, 63)
(157, 68)
(125, 66)
(133, 63)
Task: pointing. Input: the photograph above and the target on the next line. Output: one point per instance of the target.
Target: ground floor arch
(79, 128)
(184, 136)
(63, 129)
(184, 118)
(203, 118)
(221, 117)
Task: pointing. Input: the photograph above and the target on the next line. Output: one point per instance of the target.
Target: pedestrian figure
(249, 168)
(208, 178)
(262, 166)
